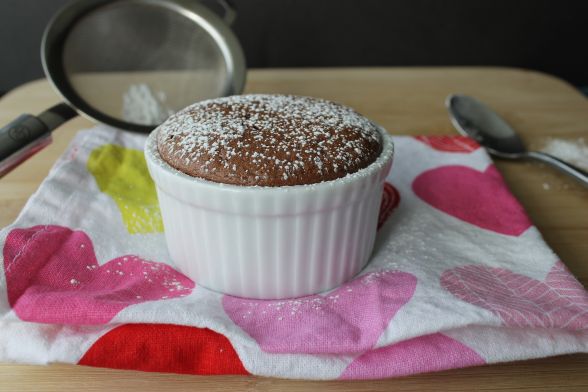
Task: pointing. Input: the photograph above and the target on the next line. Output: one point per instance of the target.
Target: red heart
(52, 276)
(390, 200)
(479, 198)
(164, 348)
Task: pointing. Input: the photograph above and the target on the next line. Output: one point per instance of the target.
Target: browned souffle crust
(268, 140)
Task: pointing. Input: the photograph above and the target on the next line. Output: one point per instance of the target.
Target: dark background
(546, 35)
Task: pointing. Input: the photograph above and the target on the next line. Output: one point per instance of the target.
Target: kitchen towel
(459, 277)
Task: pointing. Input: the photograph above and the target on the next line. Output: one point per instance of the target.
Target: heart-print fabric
(348, 319)
(479, 198)
(558, 302)
(459, 277)
(52, 276)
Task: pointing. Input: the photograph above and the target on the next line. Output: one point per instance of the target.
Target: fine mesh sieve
(129, 64)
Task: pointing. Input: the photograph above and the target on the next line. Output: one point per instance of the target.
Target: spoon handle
(571, 170)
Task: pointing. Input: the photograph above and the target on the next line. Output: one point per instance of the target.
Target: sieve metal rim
(61, 23)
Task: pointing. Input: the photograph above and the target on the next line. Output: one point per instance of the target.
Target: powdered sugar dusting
(142, 105)
(573, 151)
(268, 140)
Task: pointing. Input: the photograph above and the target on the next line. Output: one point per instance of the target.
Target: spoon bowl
(474, 119)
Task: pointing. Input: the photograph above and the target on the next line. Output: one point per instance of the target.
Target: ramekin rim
(153, 157)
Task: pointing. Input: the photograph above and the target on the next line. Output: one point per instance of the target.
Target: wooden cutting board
(406, 101)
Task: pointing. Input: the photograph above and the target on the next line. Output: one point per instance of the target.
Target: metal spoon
(476, 120)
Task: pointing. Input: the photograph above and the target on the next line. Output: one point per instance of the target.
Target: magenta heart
(520, 301)
(347, 320)
(479, 198)
(52, 276)
(428, 353)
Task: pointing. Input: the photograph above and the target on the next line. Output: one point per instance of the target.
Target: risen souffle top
(268, 140)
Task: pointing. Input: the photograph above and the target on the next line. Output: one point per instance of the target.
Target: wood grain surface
(405, 101)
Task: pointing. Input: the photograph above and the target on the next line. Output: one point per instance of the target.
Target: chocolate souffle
(268, 140)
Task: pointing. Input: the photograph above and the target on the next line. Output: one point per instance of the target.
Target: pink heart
(52, 276)
(479, 198)
(520, 301)
(428, 353)
(347, 320)
(448, 143)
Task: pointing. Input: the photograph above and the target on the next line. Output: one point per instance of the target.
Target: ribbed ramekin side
(270, 257)
(291, 244)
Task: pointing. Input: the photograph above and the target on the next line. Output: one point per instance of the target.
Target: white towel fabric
(459, 277)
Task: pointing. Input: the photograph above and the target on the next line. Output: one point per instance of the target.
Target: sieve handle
(229, 11)
(28, 134)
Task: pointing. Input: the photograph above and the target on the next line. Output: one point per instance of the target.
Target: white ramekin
(270, 242)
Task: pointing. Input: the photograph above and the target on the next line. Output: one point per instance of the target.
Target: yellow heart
(122, 174)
